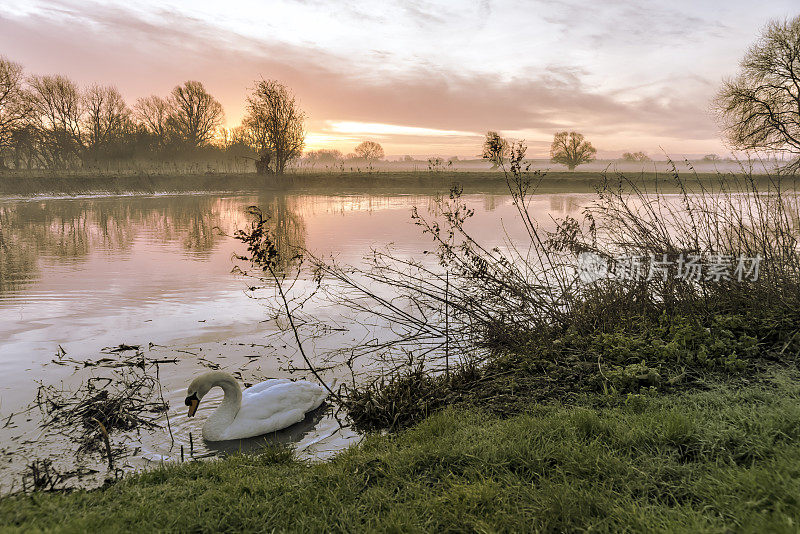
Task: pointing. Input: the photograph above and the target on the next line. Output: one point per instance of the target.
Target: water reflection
(566, 204)
(15, 258)
(68, 231)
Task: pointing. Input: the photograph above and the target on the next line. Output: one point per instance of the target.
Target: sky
(421, 78)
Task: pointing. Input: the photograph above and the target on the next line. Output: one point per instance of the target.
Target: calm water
(93, 272)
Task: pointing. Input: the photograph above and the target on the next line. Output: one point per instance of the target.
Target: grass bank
(711, 461)
(377, 182)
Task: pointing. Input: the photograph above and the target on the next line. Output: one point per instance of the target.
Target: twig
(289, 315)
(166, 412)
(447, 324)
(107, 442)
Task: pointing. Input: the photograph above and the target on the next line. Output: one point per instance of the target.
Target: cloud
(150, 52)
(622, 22)
(376, 128)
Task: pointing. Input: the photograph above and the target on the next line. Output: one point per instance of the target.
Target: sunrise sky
(421, 78)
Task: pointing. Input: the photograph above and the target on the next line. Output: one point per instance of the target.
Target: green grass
(713, 461)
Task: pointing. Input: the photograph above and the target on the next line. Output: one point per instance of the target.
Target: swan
(263, 408)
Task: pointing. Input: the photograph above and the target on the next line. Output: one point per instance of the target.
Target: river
(78, 274)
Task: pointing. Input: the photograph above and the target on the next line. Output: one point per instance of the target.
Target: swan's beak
(192, 402)
(193, 407)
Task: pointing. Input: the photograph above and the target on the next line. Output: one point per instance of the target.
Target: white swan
(263, 408)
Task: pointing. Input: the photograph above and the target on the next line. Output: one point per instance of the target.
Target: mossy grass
(665, 354)
(706, 461)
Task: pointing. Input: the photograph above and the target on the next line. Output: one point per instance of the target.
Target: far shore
(29, 183)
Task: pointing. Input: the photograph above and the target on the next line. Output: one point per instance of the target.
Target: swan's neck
(227, 410)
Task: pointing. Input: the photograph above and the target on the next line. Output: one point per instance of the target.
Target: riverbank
(53, 183)
(633, 404)
(715, 460)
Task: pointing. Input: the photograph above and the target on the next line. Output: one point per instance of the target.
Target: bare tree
(635, 156)
(369, 151)
(760, 108)
(236, 142)
(154, 112)
(276, 125)
(571, 149)
(105, 118)
(14, 107)
(495, 149)
(24, 145)
(57, 110)
(196, 114)
(324, 156)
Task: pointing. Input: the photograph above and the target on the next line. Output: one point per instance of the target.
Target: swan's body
(263, 408)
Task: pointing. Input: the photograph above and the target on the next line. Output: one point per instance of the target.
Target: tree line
(50, 122)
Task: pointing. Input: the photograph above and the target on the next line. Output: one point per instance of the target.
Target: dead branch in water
(129, 400)
(104, 432)
(125, 356)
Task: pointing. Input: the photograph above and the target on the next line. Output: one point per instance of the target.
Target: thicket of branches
(457, 308)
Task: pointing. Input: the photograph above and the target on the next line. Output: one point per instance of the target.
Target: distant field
(377, 181)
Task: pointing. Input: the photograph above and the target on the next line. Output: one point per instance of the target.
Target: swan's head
(203, 384)
(197, 390)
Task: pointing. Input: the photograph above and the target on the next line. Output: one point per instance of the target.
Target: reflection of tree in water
(59, 233)
(15, 258)
(31, 230)
(490, 202)
(200, 237)
(68, 231)
(564, 204)
(286, 226)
